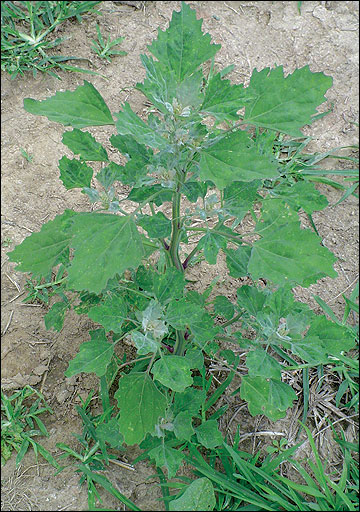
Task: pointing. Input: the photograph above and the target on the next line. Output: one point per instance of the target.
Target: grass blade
(104, 482)
(348, 193)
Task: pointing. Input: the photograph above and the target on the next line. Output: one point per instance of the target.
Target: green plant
(245, 481)
(26, 28)
(26, 155)
(104, 50)
(347, 367)
(7, 241)
(213, 164)
(19, 416)
(93, 453)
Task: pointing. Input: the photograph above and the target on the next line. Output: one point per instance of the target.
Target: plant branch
(232, 321)
(176, 229)
(190, 256)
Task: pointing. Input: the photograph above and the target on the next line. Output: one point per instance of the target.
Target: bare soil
(253, 35)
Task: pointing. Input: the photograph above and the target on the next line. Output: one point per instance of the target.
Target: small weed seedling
(7, 241)
(104, 50)
(19, 416)
(248, 480)
(98, 432)
(210, 154)
(26, 155)
(26, 29)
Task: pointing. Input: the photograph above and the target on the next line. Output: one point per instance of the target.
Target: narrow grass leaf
(104, 482)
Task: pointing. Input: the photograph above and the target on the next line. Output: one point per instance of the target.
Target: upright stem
(180, 343)
(176, 227)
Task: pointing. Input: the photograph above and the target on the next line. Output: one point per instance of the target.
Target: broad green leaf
(199, 495)
(85, 145)
(183, 47)
(195, 357)
(104, 245)
(128, 123)
(209, 435)
(335, 338)
(154, 193)
(203, 328)
(82, 107)
(94, 356)
(222, 99)
(145, 344)
(261, 364)
(138, 155)
(190, 401)
(179, 313)
(311, 349)
(183, 428)
(280, 303)
(41, 251)
(145, 278)
(287, 254)
(237, 260)
(239, 198)
(74, 173)
(234, 158)
(211, 243)
(169, 285)
(275, 214)
(173, 372)
(251, 299)
(194, 189)
(129, 147)
(285, 104)
(141, 405)
(166, 456)
(111, 313)
(267, 396)
(223, 307)
(108, 175)
(281, 395)
(299, 319)
(110, 433)
(54, 318)
(157, 225)
(302, 194)
(196, 297)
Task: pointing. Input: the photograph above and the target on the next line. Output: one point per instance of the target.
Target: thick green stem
(176, 231)
(180, 343)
